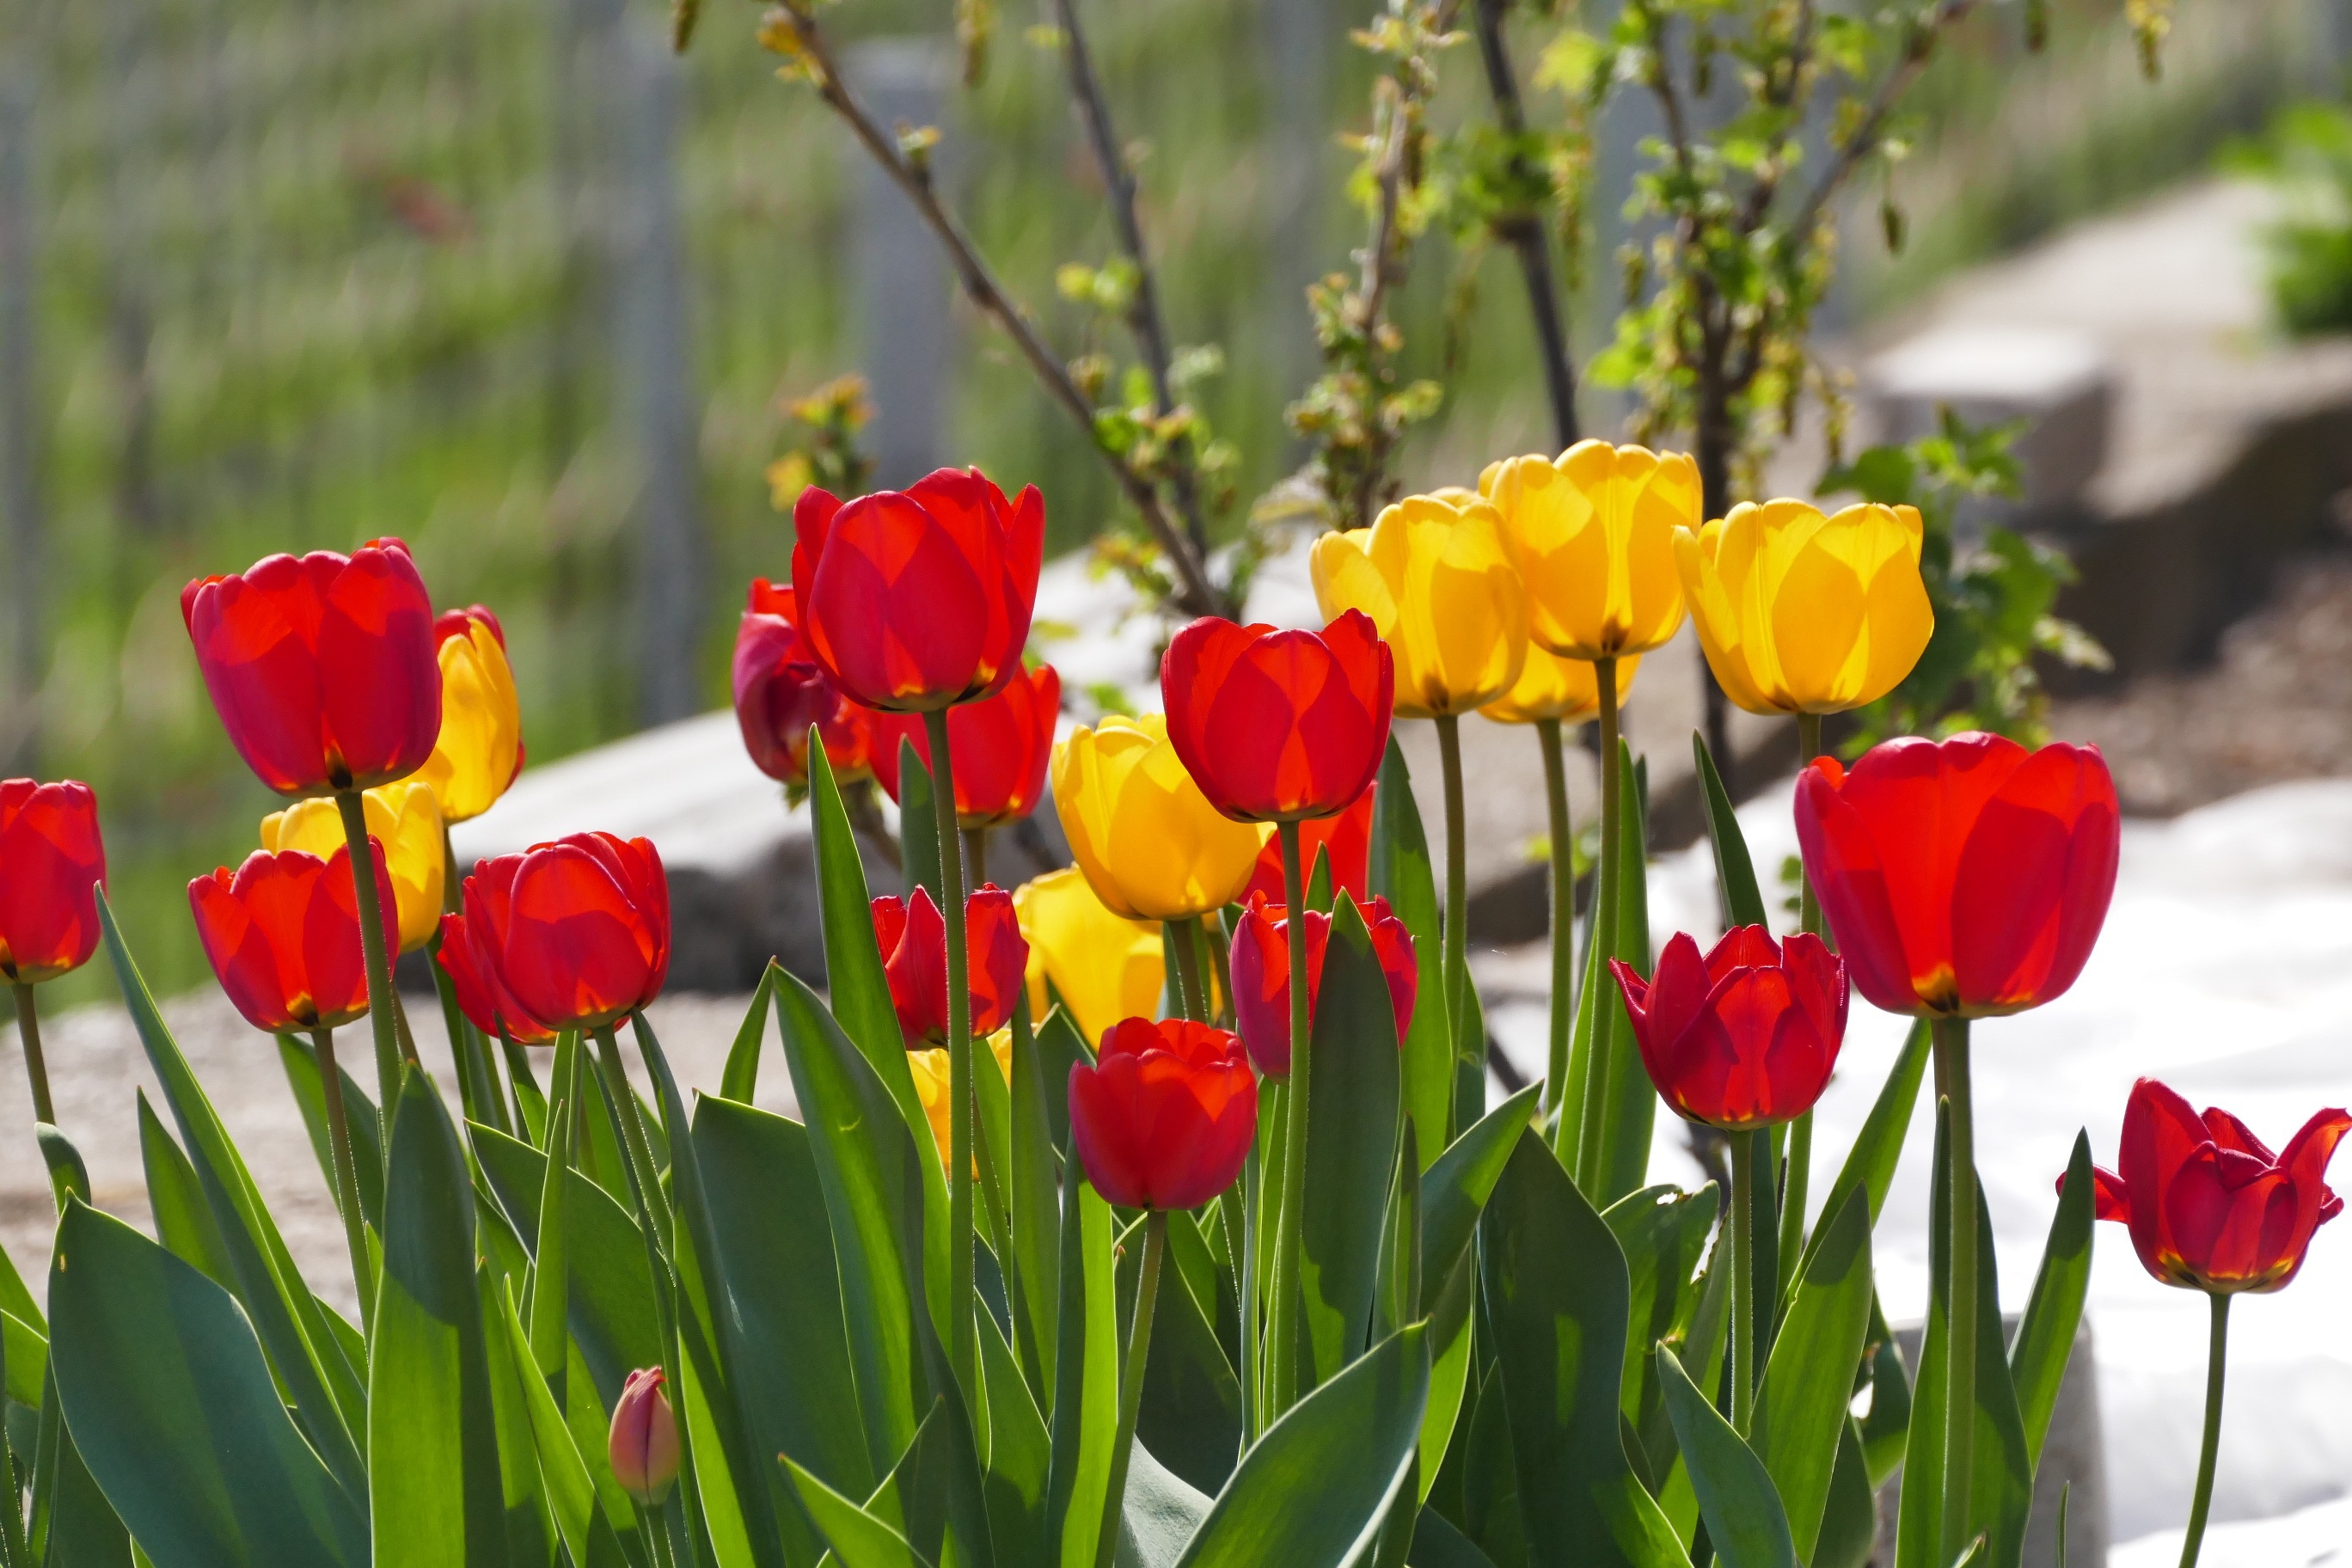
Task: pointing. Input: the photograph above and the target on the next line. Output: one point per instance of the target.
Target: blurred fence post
(20, 437)
(902, 283)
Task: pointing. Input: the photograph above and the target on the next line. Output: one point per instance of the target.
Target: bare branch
(1864, 138)
(1524, 232)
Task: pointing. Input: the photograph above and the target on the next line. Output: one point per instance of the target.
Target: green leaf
(741, 1080)
(919, 824)
(1037, 1207)
(1400, 871)
(71, 1522)
(1313, 1491)
(435, 1491)
(1850, 1523)
(1085, 1382)
(1663, 1231)
(1887, 1428)
(1020, 1455)
(1557, 1299)
(859, 1539)
(1743, 1515)
(1735, 869)
(68, 1174)
(1436, 1543)
(1870, 1164)
(1060, 1047)
(183, 1221)
(1352, 1139)
(173, 1409)
(1611, 1139)
(1454, 1192)
(530, 1538)
(301, 1063)
(1800, 1417)
(28, 1351)
(2046, 1335)
(568, 1486)
(1191, 1414)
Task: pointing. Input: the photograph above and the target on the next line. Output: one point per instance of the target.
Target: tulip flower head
(1000, 746)
(1165, 1116)
(51, 860)
(577, 930)
(2211, 1209)
(1147, 840)
(1435, 576)
(1103, 966)
(479, 752)
(782, 693)
(1261, 972)
(933, 1075)
(1346, 838)
(1593, 533)
(405, 819)
(482, 994)
(283, 935)
(643, 1443)
(918, 599)
(1550, 687)
(1965, 878)
(913, 938)
(1802, 613)
(1279, 726)
(1744, 1038)
(322, 668)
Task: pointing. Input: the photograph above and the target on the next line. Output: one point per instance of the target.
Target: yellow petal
(1442, 590)
(1592, 533)
(1144, 836)
(405, 819)
(1550, 687)
(474, 759)
(1105, 968)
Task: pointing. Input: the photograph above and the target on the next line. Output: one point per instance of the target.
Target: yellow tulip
(1800, 613)
(1106, 968)
(1435, 578)
(1594, 535)
(930, 1070)
(1150, 845)
(480, 746)
(1550, 687)
(407, 820)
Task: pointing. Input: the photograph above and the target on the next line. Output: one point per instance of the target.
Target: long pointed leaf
(2046, 1335)
(1870, 1164)
(1735, 868)
(741, 1080)
(1736, 1498)
(1809, 1376)
(1400, 871)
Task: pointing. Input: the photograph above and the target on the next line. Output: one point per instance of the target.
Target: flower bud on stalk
(644, 1441)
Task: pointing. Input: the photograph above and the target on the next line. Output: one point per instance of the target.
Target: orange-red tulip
(51, 858)
(283, 935)
(577, 930)
(913, 938)
(1744, 1038)
(1261, 971)
(1164, 1118)
(782, 693)
(1348, 838)
(999, 748)
(1279, 726)
(482, 996)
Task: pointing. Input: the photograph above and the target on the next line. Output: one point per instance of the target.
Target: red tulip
(51, 859)
(1001, 747)
(323, 669)
(1279, 726)
(1744, 1038)
(577, 930)
(782, 693)
(1165, 1116)
(1968, 878)
(1261, 973)
(283, 935)
(2210, 1206)
(1347, 837)
(644, 1441)
(914, 941)
(914, 600)
(482, 996)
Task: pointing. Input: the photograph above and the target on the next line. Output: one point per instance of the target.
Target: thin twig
(1523, 232)
(1857, 146)
(1372, 285)
(1195, 593)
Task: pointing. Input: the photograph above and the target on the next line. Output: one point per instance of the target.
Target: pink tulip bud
(644, 1438)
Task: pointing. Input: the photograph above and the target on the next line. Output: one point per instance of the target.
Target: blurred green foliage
(2307, 153)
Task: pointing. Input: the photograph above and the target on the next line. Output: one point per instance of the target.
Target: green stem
(1960, 1312)
(1603, 937)
(1746, 1178)
(1281, 1328)
(1216, 971)
(29, 1029)
(525, 1090)
(1809, 746)
(379, 961)
(1130, 1384)
(1563, 914)
(962, 1342)
(1795, 1177)
(1192, 1001)
(975, 855)
(2217, 1357)
(1456, 972)
(549, 1278)
(347, 1180)
(1240, 1203)
(632, 1131)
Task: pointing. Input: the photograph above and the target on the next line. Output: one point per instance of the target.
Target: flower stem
(379, 961)
(975, 855)
(1746, 1178)
(1456, 972)
(1240, 1203)
(633, 1128)
(1282, 1325)
(347, 1181)
(1217, 994)
(1593, 1090)
(1130, 1383)
(962, 1343)
(1563, 913)
(549, 1278)
(29, 1029)
(1960, 1311)
(1191, 999)
(2217, 1357)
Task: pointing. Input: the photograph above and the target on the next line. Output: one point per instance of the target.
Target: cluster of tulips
(1233, 854)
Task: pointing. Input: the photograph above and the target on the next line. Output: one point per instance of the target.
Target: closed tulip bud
(644, 1444)
(1104, 967)
(2210, 1206)
(782, 694)
(1593, 533)
(1165, 1116)
(283, 935)
(1346, 838)
(1966, 877)
(1744, 1038)
(913, 938)
(577, 930)
(931, 1074)
(1550, 687)
(482, 994)
(1147, 840)
(51, 859)
(321, 668)
(405, 819)
(1261, 971)
(1279, 726)
(1432, 573)
(999, 746)
(479, 752)
(913, 600)
(1799, 613)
